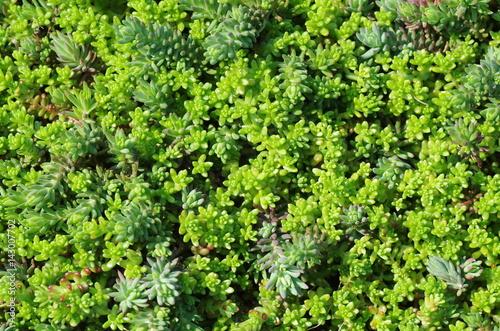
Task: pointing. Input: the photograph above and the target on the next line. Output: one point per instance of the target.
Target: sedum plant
(80, 59)
(129, 293)
(453, 275)
(158, 45)
(355, 222)
(286, 258)
(161, 281)
(249, 165)
(468, 138)
(390, 169)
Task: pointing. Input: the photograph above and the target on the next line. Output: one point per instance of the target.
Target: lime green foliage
(249, 165)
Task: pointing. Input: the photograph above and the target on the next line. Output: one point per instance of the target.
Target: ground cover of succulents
(250, 165)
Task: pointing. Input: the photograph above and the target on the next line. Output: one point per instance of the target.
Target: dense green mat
(250, 165)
